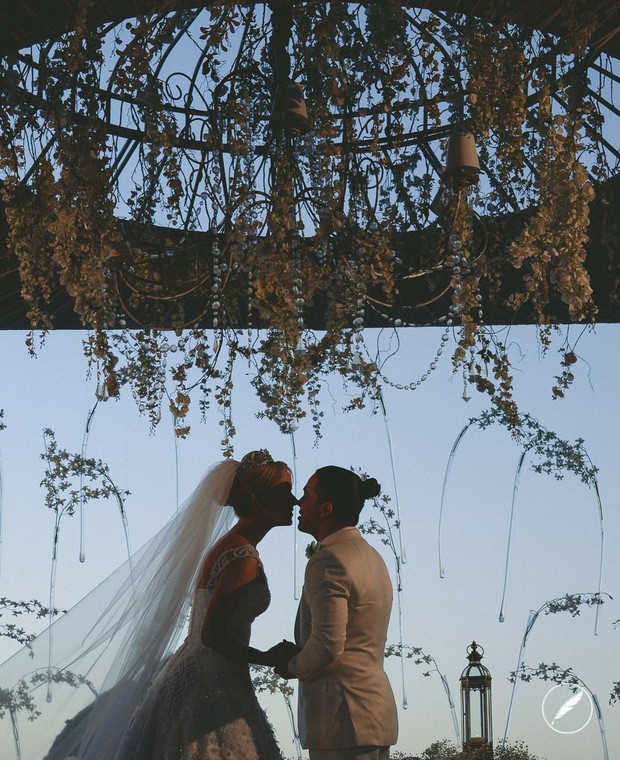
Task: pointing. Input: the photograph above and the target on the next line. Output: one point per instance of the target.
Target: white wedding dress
(153, 700)
(202, 706)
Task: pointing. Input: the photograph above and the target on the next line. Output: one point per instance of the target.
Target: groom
(346, 706)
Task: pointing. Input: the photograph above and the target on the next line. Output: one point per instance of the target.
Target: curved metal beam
(419, 301)
(28, 22)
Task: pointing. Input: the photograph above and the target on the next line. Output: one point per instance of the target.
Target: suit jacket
(345, 698)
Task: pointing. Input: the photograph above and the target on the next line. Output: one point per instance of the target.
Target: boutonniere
(313, 548)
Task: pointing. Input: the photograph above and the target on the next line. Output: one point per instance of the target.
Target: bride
(198, 703)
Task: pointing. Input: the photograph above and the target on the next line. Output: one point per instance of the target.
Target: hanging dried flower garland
(164, 173)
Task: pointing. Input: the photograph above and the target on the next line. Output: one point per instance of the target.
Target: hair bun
(370, 488)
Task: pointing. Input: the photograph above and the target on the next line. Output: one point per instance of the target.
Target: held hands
(283, 650)
(279, 655)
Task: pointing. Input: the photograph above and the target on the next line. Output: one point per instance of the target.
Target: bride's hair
(346, 491)
(257, 473)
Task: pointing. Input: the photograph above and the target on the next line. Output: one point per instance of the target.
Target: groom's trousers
(352, 753)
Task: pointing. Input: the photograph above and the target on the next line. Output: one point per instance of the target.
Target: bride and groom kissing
(199, 703)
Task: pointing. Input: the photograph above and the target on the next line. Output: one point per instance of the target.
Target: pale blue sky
(556, 534)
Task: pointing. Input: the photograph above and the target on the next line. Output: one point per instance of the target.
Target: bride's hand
(281, 653)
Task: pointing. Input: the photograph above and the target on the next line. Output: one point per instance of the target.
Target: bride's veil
(114, 641)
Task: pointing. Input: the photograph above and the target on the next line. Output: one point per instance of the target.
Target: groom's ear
(327, 509)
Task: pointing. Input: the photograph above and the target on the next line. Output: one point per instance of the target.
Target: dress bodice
(251, 600)
(202, 705)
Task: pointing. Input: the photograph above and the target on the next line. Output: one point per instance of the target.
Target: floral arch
(201, 182)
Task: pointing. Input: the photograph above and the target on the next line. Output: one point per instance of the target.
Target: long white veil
(113, 642)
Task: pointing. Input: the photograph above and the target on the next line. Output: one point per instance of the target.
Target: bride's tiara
(252, 460)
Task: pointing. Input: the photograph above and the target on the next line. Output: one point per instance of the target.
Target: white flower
(313, 548)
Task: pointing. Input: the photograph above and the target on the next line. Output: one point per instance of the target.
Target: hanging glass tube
(401, 545)
(509, 542)
(85, 437)
(455, 446)
(296, 592)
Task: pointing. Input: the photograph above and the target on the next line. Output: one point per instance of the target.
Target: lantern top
(474, 652)
(475, 674)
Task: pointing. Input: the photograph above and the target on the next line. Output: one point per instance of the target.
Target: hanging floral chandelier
(265, 180)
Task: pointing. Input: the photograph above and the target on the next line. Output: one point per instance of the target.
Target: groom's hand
(282, 670)
(281, 652)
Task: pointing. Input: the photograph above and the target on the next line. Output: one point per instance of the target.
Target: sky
(555, 536)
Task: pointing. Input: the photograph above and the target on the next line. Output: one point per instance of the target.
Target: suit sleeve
(327, 590)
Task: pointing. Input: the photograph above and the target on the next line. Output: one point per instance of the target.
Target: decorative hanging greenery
(160, 175)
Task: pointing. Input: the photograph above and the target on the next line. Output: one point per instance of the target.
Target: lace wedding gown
(202, 706)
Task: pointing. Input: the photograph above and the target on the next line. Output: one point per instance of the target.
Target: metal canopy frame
(184, 255)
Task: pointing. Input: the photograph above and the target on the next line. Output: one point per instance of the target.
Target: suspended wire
(295, 516)
(599, 717)
(401, 636)
(291, 717)
(85, 437)
(15, 727)
(1, 516)
(455, 446)
(601, 554)
(125, 522)
(512, 515)
(444, 682)
(509, 542)
(584, 687)
(176, 454)
(119, 498)
(401, 546)
(532, 618)
(82, 556)
(399, 595)
(176, 470)
(455, 722)
(530, 623)
(52, 592)
(399, 556)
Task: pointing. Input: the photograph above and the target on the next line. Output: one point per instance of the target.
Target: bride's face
(277, 503)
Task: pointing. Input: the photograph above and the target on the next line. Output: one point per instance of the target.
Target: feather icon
(570, 703)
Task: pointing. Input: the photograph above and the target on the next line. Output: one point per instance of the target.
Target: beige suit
(345, 699)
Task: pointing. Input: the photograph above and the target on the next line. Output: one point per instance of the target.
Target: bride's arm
(216, 627)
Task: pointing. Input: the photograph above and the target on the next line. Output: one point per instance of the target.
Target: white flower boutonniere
(313, 548)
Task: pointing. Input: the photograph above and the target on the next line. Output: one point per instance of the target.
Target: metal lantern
(476, 702)
(462, 165)
(289, 111)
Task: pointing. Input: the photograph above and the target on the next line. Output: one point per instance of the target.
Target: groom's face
(310, 509)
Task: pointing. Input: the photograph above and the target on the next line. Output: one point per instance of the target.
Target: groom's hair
(345, 491)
